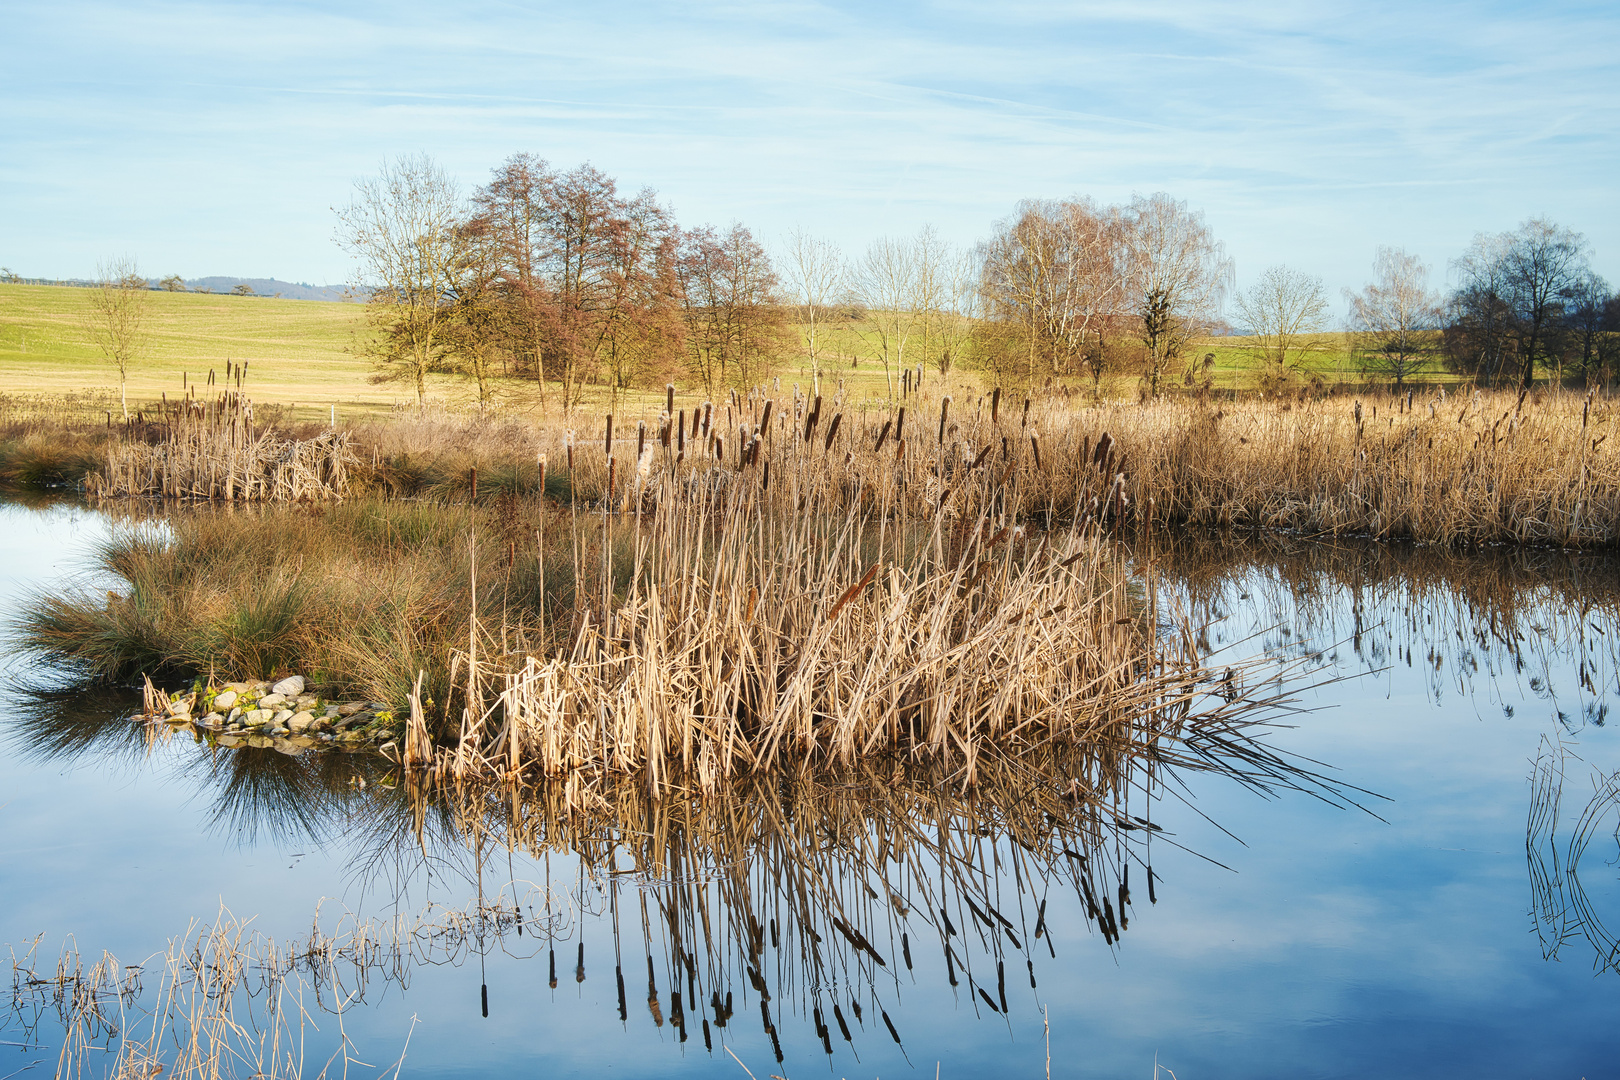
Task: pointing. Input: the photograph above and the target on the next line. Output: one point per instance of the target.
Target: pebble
(350, 709)
(291, 686)
(257, 718)
(212, 720)
(281, 716)
(238, 687)
(225, 699)
(284, 747)
(270, 701)
(300, 723)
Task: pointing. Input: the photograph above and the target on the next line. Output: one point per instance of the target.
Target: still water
(1446, 903)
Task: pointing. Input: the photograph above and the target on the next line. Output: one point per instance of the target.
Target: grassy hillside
(295, 349)
(298, 354)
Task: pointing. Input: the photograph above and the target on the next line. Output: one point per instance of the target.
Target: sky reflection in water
(1430, 941)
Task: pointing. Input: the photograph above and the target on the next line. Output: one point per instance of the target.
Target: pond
(1445, 902)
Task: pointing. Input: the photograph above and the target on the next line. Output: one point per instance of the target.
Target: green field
(299, 354)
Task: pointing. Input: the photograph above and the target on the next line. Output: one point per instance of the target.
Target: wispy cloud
(213, 137)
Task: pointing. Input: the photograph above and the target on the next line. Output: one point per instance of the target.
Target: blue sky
(214, 138)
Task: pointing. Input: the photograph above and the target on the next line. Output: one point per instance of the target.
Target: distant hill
(287, 290)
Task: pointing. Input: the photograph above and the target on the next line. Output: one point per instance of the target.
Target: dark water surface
(1463, 923)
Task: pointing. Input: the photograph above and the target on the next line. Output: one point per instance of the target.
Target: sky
(215, 138)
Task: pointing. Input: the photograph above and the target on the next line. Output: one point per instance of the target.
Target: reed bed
(1469, 468)
(687, 628)
(211, 449)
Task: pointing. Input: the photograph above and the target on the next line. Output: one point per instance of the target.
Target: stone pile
(287, 715)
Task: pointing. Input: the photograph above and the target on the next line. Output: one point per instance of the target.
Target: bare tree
(404, 232)
(1593, 319)
(1477, 333)
(1055, 269)
(173, 283)
(816, 280)
(735, 328)
(1285, 311)
(1542, 264)
(1177, 274)
(885, 281)
(1395, 316)
(116, 318)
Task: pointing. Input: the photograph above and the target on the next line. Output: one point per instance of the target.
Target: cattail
(883, 435)
(680, 433)
(765, 480)
(944, 411)
(719, 447)
(669, 398)
(832, 431)
(900, 425)
(542, 474)
(663, 429)
(570, 451)
(1024, 423)
(708, 415)
(1035, 444)
(765, 420)
(995, 405)
(607, 441)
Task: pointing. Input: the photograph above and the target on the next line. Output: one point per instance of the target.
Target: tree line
(556, 276)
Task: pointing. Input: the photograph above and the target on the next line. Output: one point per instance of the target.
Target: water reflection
(797, 910)
(1471, 625)
(799, 897)
(1563, 834)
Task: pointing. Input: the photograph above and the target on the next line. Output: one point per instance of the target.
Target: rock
(322, 723)
(212, 720)
(270, 701)
(257, 718)
(351, 708)
(281, 716)
(304, 741)
(236, 713)
(291, 686)
(283, 746)
(261, 686)
(258, 742)
(332, 712)
(229, 740)
(307, 701)
(181, 707)
(299, 723)
(238, 687)
(225, 700)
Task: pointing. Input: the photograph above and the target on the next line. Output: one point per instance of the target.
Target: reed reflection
(1542, 621)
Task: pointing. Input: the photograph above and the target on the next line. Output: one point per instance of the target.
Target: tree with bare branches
(116, 318)
(1177, 276)
(816, 279)
(884, 280)
(1286, 313)
(1395, 316)
(404, 231)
